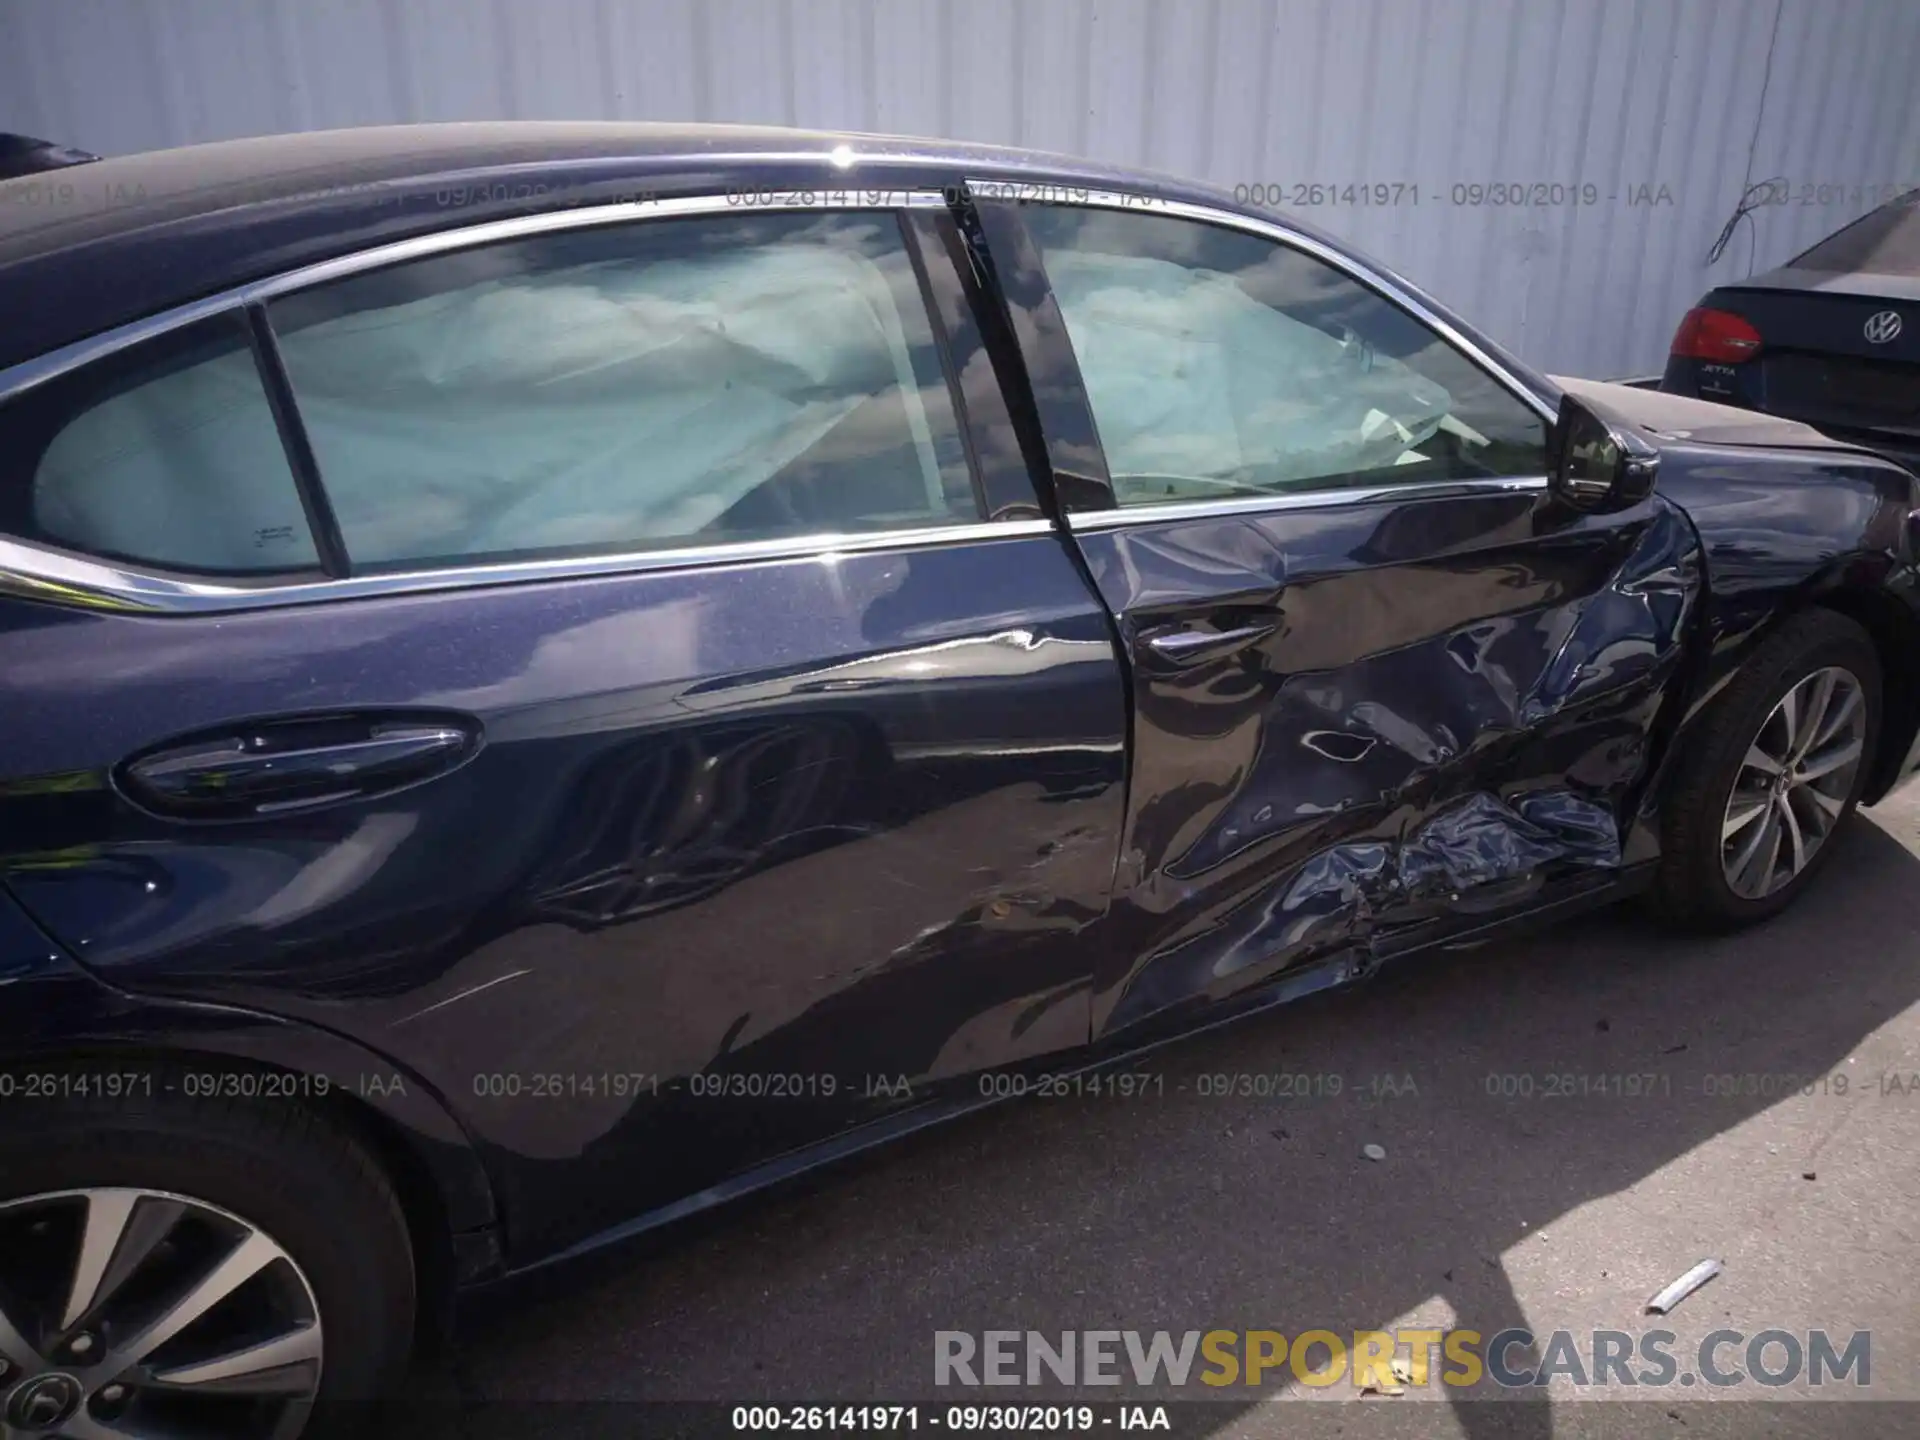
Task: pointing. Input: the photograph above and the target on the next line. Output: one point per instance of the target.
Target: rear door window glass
(655, 384)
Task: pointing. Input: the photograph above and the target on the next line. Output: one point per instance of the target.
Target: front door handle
(1188, 647)
(294, 765)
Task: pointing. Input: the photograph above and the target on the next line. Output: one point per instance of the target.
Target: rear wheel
(1774, 773)
(192, 1267)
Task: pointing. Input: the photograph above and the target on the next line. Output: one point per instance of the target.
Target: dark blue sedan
(556, 675)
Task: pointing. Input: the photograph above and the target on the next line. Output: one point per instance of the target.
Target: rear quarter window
(165, 454)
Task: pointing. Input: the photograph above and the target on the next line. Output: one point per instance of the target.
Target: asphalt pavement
(1568, 1122)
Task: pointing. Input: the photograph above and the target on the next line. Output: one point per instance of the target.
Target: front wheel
(1773, 774)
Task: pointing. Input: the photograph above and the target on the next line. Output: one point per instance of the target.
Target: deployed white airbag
(596, 404)
(1201, 389)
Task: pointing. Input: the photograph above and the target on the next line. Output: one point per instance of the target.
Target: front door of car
(1384, 683)
(614, 670)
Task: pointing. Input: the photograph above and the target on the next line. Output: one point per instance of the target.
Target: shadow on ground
(1189, 1211)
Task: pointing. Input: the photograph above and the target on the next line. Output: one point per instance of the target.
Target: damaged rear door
(1383, 683)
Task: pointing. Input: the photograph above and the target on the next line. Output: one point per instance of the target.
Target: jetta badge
(1881, 328)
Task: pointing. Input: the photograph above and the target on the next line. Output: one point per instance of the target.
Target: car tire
(1708, 826)
(196, 1190)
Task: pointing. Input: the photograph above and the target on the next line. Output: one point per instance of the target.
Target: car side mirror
(1597, 465)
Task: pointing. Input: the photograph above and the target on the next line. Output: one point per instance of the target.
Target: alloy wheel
(128, 1313)
(1793, 783)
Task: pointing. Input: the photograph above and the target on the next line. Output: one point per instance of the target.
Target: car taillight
(1717, 335)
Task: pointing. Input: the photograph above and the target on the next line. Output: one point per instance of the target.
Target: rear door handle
(1188, 647)
(295, 765)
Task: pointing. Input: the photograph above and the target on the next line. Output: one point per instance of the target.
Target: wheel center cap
(44, 1402)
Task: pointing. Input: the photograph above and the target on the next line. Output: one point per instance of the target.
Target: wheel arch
(1894, 628)
(443, 1192)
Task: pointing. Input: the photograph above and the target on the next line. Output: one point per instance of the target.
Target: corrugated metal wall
(1657, 111)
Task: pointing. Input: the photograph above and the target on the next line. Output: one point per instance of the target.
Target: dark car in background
(1831, 338)
(556, 675)
(27, 155)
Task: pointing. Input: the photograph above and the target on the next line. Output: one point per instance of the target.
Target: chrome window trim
(1257, 505)
(39, 573)
(40, 369)
(66, 577)
(1041, 192)
(44, 573)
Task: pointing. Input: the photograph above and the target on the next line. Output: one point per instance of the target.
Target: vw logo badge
(1881, 328)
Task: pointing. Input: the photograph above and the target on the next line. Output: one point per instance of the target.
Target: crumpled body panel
(1482, 839)
(1428, 723)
